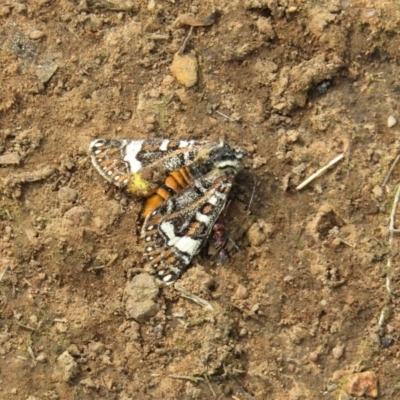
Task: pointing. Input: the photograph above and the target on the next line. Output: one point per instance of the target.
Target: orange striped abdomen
(175, 182)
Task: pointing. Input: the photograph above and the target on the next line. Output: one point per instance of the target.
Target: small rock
(243, 332)
(338, 351)
(386, 342)
(41, 357)
(19, 7)
(377, 191)
(264, 26)
(67, 366)
(182, 95)
(313, 356)
(10, 159)
(363, 384)
(36, 34)
(299, 169)
(95, 349)
(389, 328)
(115, 5)
(73, 350)
(255, 235)
(46, 70)
(89, 383)
(78, 215)
(67, 194)
(143, 310)
(184, 68)
(391, 121)
(140, 295)
(241, 292)
(4, 11)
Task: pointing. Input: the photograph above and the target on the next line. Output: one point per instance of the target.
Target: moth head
(224, 156)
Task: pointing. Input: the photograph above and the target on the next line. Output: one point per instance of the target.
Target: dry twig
(396, 160)
(3, 273)
(187, 378)
(320, 172)
(185, 42)
(392, 231)
(198, 300)
(225, 116)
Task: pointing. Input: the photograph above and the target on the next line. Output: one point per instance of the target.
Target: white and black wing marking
(108, 158)
(176, 231)
(117, 160)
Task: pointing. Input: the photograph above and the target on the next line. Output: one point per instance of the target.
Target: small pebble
(241, 292)
(243, 332)
(140, 295)
(41, 357)
(255, 235)
(151, 6)
(68, 367)
(391, 121)
(151, 119)
(377, 191)
(4, 11)
(313, 356)
(386, 342)
(363, 384)
(264, 26)
(36, 34)
(338, 351)
(88, 383)
(288, 278)
(390, 328)
(184, 68)
(46, 70)
(78, 215)
(291, 368)
(10, 159)
(73, 350)
(67, 194)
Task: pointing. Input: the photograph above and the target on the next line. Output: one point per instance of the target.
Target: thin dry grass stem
(186, 41)
(3, 273)
(210, 387)
(31, 353)
(27, 327)
(253, 192)
(392, 231)
(225, 116)
(114, 257)
(396, 160)
(234, 244)
(320, 172)
(187, 378)
(190, 296)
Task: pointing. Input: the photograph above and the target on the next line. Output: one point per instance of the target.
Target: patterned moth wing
(176, 231)
(186, 184)
(141, 166)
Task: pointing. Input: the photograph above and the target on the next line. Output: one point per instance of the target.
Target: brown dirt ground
(303, 308)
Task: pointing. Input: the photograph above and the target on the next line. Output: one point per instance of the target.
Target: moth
(186, 185)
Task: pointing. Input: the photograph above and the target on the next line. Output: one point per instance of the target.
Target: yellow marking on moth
(139, 186)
